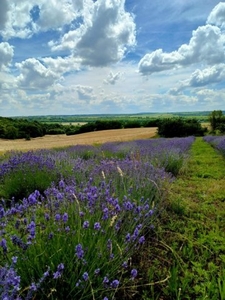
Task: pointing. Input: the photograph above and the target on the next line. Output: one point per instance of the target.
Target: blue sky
(111, 56)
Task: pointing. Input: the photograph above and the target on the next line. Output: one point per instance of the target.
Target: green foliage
(180, 127)
(22, 182)
(217, 121)
(20, 128)
(192, 230)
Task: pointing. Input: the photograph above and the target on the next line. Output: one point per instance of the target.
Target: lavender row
(216, 141)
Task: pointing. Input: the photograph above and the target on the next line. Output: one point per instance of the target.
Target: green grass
(190, 242)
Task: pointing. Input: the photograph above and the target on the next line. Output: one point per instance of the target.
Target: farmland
(62, 140)
(137, 219)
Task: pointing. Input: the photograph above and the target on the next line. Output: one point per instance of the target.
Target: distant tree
(180, 127)
(215, 118)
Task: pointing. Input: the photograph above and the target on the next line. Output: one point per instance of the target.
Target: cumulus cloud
(84, 92)
(206, 45)
(54, 14)
(4, 13)
(201, 78)
(24, 18)
(35, 75)
(112, 78)
(217, 16)
(61, 65)
(107, 32)
(6, 54)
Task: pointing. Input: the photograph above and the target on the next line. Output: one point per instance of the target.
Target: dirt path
(97, 137)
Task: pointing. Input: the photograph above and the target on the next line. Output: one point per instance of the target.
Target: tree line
(17, 128)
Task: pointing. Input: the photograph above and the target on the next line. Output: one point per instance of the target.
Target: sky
(72, 57)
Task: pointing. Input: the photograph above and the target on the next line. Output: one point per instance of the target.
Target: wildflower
(57, 217)
(50, 236)
(65, 217)
(141, 239)
(134, 273)
(67, 229)
(97, 271)
(97, 226)
(86, 224)
(127, 238)
(59, 271)
(85, 276)
(33, 286)
(79, 251)
(14, 259)
(124, 264)
(61, 184)
(3, 244)
(114, 284)
(105, 281)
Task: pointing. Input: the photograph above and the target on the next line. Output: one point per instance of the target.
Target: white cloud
(17, 18)
(207, 76)
(6, 55)
(201, 78)
(55, 14)
(35, 75)
(206, 45)
(107, 32)
(61, 65)
(217, 16)
(112, 78)
(84, 92)
(3, 13)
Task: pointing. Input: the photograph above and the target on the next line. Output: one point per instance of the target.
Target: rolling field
(98, 137)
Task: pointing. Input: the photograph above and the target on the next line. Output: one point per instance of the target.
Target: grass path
(194, 228)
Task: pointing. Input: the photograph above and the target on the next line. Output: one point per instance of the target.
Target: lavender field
(74, 221)
(216, 141)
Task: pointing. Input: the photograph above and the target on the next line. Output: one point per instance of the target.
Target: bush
(179, 127)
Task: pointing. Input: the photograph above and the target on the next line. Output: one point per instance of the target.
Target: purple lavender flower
(14, 259)
(114, 284)
(97, 271)
(50, 236)
(97, 226)
(127, 238)
(31, 229)
(141, 240)
(33, 287)
(67, 229)
(85, 276)
(86, 224)
(105, 281)
(79, 251)
(59, 271)
(134, 273)
(3, 244)
(65, 217)
(57, 217)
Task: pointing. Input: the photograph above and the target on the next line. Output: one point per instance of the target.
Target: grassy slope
(191, 238)
(196, 228)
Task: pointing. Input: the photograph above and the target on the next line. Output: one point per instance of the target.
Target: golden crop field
(97, 137)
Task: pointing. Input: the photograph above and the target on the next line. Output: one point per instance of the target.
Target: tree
(216, 118)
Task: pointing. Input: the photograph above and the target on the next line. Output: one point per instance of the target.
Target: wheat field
(90, 138)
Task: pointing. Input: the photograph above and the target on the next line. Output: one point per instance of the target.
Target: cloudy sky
(111, 56)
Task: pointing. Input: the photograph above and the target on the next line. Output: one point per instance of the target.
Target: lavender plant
(76, 240)
(216, 141)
